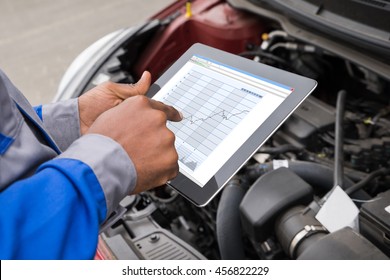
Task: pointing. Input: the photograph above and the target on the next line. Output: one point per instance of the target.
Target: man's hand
(106, 96)
(139, 125)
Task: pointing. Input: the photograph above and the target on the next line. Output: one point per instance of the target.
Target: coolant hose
(316, 175)
(229, 234)
(313, 173)
(380, 172)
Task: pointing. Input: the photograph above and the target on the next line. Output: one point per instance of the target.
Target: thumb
(125, 91)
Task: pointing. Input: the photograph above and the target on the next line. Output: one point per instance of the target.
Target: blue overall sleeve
(53, 214)
(56, 213)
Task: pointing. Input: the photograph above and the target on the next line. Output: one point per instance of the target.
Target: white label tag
(387, 209)
(338, 212)
(280, 163)
(261, 158)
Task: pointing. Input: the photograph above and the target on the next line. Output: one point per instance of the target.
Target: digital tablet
(231, 106)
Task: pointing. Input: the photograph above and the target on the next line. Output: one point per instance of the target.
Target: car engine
(340, 136)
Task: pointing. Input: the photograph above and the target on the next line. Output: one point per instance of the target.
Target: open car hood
(364, 24)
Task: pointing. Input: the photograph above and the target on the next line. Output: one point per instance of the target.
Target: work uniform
(56, 187)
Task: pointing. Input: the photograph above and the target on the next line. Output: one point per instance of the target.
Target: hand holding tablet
(231, 106)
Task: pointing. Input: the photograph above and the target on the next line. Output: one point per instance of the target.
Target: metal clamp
(307, 231)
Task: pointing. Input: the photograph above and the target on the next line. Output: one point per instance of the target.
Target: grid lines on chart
(211, 109)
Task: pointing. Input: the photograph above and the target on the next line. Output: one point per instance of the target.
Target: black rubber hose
(314, 174)
(338, 177)
(280, 149)
(365, 181)
(229, 234)
(267, 55)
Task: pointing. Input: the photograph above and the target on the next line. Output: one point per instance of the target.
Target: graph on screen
(211, 109)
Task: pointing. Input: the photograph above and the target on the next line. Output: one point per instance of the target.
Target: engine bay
(340, 136)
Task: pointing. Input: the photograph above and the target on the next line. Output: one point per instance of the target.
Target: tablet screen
(222, 107)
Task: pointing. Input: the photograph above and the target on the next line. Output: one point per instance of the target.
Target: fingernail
(144, 73)
(181, 115)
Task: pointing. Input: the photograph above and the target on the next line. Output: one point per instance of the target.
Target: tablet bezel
(302, 86)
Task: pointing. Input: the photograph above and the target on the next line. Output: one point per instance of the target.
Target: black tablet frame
(302, 86)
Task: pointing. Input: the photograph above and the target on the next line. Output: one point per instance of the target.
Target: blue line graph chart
(211, 109)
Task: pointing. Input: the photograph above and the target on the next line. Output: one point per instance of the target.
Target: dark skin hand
(138, 124)
(106, 96)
